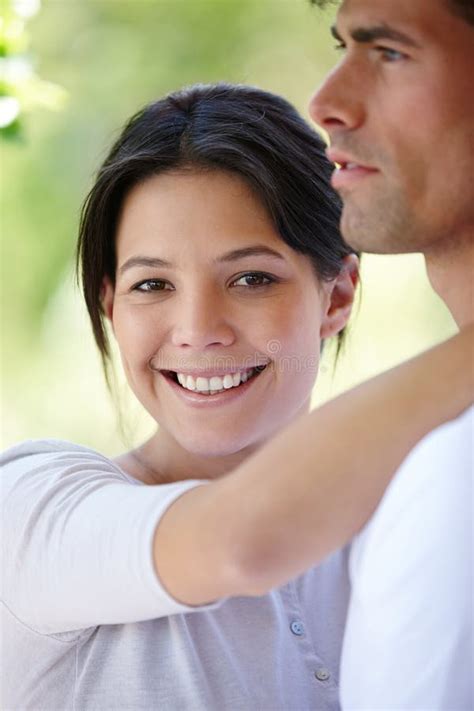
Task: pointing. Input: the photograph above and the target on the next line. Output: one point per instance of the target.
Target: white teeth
(351, 166)
(228, 381)
(202, 384)
(190, 384)
(215, 384)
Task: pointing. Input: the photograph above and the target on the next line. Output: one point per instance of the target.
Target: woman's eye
(339, 46)
(253, 279)
(390, 55)
(152, 285)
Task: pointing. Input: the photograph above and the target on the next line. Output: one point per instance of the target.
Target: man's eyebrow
(234, 255)
(365, 35)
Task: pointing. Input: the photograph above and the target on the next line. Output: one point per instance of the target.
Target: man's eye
(152, 285)
(253, 279)
(390, 55)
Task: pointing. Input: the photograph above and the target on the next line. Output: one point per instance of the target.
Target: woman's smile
(199, 391)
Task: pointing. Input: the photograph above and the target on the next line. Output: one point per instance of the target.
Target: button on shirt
(297, 628)
(110, 637)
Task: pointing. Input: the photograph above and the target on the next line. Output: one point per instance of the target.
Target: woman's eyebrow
(234, 255)
(140, 261)
(365, 35)
(253, 251)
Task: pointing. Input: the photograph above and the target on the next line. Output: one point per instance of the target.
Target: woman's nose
(202, 320)
(337, 104)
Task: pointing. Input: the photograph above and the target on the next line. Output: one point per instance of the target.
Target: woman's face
(205, 288)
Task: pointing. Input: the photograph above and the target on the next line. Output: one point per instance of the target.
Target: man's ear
(107, 293)
(341, 297)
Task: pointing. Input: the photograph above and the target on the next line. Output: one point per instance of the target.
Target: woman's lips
(197, 399)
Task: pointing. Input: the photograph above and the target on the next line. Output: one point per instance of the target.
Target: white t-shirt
(409, 637)
(86, 624)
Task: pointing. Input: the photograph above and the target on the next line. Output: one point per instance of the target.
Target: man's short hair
(462, 8)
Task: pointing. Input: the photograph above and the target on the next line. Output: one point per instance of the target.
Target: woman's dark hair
(241, 129)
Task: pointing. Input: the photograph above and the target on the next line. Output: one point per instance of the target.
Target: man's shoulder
(452, 442)
(428, 504)
(439, 461)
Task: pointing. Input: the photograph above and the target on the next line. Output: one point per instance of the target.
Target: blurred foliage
(21, 89)
(110, 57)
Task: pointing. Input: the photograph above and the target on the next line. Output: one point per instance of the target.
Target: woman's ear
(107, 293)
(341, 297)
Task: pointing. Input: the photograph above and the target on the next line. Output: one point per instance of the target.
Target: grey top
(86, 623)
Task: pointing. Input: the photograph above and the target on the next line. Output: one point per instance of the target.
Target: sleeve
(77, 536)
(409, 639)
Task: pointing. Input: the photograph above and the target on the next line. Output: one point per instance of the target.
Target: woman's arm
(76, 536)
(310, 489)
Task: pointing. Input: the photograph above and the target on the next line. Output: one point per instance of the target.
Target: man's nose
(338, 103)
(203, 320)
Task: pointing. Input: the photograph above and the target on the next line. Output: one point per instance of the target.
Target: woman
(168, 577)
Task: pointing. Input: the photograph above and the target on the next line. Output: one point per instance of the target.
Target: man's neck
(451, 273)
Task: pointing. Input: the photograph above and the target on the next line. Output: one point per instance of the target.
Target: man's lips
(349, 170)
(346, 160)
(348, 177)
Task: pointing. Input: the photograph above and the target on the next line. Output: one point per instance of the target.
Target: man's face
(399, 112)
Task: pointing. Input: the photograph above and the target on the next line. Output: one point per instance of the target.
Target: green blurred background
(99, 61)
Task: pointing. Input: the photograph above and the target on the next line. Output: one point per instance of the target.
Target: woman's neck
(162, 460)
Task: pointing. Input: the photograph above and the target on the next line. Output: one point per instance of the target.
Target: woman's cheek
(134, 337)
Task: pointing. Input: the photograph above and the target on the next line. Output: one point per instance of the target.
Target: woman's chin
(209, 446)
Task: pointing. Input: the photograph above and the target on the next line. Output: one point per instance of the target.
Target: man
(399, 111)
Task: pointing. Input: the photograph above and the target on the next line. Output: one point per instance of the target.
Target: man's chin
(372, 230)
(354, 228)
